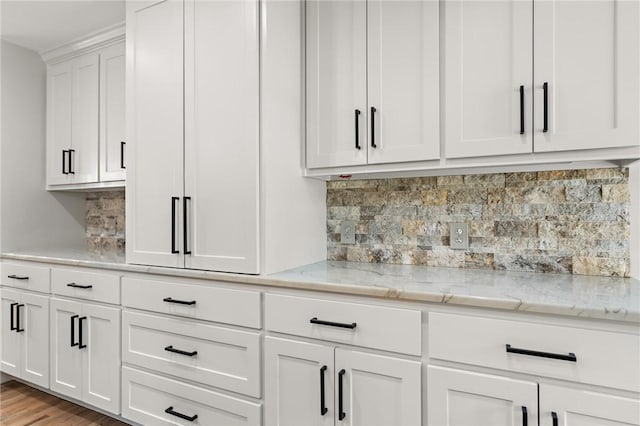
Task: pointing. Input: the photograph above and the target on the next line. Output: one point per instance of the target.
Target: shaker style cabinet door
(65, 356)
(58, 123)
(155, 132)
(587, 74)
(336, 81)
(34, 319)
(488, 66)
(10, 345)
(112, 112)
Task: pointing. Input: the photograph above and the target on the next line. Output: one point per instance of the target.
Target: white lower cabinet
(315, 384)
(25, 336)
(85, 352)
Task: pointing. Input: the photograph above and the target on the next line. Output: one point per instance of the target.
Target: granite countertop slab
(560, 294)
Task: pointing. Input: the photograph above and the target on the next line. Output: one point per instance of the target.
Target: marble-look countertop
(561, 294)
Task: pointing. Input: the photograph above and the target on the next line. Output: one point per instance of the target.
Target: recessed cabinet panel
(83, 158)
(58, 122)
(112, 113)
(66, 358)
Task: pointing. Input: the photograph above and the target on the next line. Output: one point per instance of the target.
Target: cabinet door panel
(58, 122)
(154, 131)
(84, 123)
(292, 383)
(464, 398)
(588, 53)
(66, 360)
(403, 69)
(336, 76)
(11, 341)
(35, 352)
(378, 390)
(222, 134)
(488, 56)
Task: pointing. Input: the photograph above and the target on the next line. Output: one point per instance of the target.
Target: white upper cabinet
(112, 100)
(58, 122)
(587, 60)
(488, 72)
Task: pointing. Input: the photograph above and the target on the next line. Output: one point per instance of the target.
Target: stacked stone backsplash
(104, 215)
(573, 222)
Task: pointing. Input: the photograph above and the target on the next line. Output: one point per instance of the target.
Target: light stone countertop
(559, 294)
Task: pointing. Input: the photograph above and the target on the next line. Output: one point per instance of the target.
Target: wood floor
(23, 405)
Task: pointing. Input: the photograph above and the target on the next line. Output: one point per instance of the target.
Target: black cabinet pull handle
(182, 416)
(545, 107)
(12, 324)
(373, 127)
(323, 408)
(81, 345)
(185, 225)
(341, 412)
(74, 285)
(315, 320)
(522, 110)
(357, 128)
(73, 330)
(64, 163)
(16, 277)
(570, 357)
(18, 329)
(178, 351)
(181, 302)
(554, 418)
(525, 416)
(122, 144)
(71, 170)
(173, 225)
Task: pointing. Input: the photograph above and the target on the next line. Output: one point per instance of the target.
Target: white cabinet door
(464, 398)
(294, 375)
(101, 357)
(58, 122)
(11, 340)
(376, 390)
(403, 68)
(155, 132)
(583, 408)
(65, 355)
(488, 59)
(336, 75)
(588, 53)
(222, 135)
(112, 112)
(34, 319)
(84, 123)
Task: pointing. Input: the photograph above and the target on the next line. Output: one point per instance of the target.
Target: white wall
(30, 217)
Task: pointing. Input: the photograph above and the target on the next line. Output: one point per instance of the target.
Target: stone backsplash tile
(561, 221)
(105, 223)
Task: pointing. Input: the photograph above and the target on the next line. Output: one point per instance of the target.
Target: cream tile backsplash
(104, 216)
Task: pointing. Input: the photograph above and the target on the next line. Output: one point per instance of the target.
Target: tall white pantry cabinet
(214, 100)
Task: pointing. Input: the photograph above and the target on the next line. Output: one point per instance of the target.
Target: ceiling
(42, 25)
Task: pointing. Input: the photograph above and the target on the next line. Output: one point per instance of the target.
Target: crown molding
(89, 43)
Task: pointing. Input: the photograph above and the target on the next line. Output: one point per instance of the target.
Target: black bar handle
(315, 320)
(122, 144)
(74, 285)
(323, 407)
(554, 417)
(16, 277)
(185, 225)
(81, 345)
(570, 357)
(12, 324)
(357, 115)
(181, 302)
(545, 107)
(73, 330)
(522, 110)
(373, 127)
(525, 416)
(341, 412)
(178, 351)
(182, 416)
(71, 152)
(18, 329)
(173, 225)
(64, 163)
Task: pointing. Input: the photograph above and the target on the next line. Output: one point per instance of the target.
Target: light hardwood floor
(21, 405)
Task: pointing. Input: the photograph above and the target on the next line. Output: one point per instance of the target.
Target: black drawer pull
(180, 302)
(545, 107)
(357, 128)
(554, 418)
(570, 357)
(74, 285)
(80, 344)
(16, 277)
(71, 168)
(18, 329)
(373, 128)
(73, 330)
(178, 351)
(341, 412)
(12, 323)
(182, 416)
(522, 110)
(174, 250)
(315, 320)
(525, 416)
(323, 407)
(122, 144)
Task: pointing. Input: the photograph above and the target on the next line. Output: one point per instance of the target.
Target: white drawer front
(602, 358)
(228, 359)
(146, 397)
(99, 287)
(25, 276)
(390, 329)
(238, 307)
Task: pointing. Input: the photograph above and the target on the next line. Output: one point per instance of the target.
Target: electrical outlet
(458, 236)
(348, 232)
